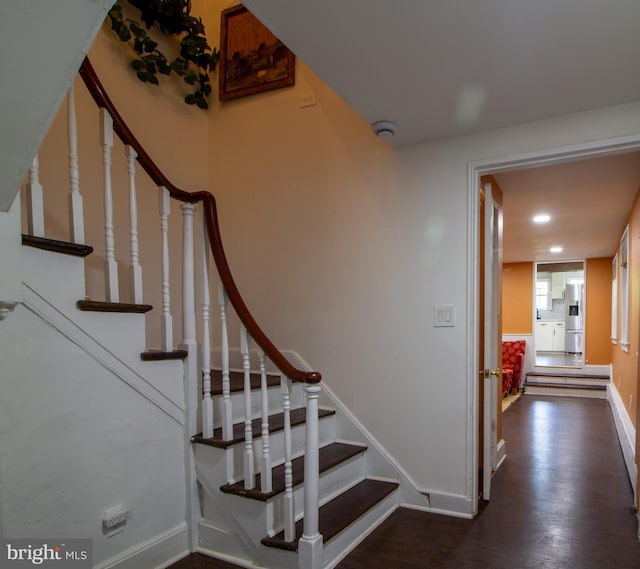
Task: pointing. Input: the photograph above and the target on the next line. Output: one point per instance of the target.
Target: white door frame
(476, 169)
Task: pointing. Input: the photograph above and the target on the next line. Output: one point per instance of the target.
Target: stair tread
(595, 386)
(65, 247)
(330, 455)
(159, 355)
(340, 512)
(236, 381)
(276, 423)
(121, 307)
(568, 375)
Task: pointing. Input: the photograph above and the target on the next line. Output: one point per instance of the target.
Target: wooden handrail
(101, 98)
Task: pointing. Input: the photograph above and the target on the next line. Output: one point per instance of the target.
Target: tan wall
(625, 363)
(517, 298)
(598, 314)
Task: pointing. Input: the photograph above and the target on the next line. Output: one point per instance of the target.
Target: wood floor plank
(562, 499)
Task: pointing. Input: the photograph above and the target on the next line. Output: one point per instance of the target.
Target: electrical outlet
(115, 517)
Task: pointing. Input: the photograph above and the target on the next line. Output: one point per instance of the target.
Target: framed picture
(252, 59)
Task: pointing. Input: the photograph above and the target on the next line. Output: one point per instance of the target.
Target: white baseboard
(455, 505)
(626, 434)
(501, 453)
(158, 552)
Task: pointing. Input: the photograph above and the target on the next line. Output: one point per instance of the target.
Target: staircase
(279, 473)
(566, 384)
(352, 500)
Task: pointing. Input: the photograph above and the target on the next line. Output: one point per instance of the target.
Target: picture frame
(252, 59)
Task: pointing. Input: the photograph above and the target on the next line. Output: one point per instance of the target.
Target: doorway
(476, 170)
(559, 305)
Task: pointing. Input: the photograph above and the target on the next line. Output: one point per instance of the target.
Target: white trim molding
(44, 310)
(501, 453)
(159, 551)
(626, 434)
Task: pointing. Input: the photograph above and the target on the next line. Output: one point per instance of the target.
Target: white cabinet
(544, 336)
(550, 336)
(557, 344)
(557, 285)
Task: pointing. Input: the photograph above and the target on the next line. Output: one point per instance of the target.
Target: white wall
(75, 441)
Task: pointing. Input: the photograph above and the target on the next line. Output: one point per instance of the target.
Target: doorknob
(492, 372)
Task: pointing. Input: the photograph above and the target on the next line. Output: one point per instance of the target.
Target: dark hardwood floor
(561, 500)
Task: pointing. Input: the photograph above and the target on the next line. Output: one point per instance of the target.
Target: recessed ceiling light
(542, 218)
(555, 250)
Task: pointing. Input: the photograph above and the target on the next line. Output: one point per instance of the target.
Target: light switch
(444, 315)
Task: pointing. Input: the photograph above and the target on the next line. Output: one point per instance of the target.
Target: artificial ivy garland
(173, 18)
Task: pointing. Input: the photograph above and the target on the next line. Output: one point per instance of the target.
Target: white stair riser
(274, 396)
(57, 277)
(212, 461)
(565, 392)
(567, 380)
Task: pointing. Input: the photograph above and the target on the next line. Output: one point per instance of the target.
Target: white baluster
(35, 203)
(207, 403)
(266, 484)
(166, 320)
(227, 416)
(188, 276)
(76, 216)
(310, 544)
(111, 266)
(288, 501)
(135, 270)
(248, 470)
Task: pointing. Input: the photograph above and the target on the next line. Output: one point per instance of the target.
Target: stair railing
(310, 544)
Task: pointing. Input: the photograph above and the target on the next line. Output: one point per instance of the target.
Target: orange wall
(625, 364)
(598, 316)
(517, 298)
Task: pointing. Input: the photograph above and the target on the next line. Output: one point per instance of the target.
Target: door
(492, 332)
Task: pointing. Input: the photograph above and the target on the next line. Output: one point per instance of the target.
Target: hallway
(561, 500)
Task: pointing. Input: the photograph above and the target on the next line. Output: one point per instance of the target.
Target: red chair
(512, 365)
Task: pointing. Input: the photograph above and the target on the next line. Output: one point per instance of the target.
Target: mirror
(559, 314)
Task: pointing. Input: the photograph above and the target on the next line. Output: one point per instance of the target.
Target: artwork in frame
(252, 59)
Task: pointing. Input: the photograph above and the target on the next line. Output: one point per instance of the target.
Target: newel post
(310, 544)
(189, 343)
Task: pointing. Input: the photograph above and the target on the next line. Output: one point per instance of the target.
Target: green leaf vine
(173, 18)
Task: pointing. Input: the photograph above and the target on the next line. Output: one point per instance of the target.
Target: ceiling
(439, 69)
(588, 201)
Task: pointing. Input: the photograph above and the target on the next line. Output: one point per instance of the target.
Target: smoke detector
(384, 129)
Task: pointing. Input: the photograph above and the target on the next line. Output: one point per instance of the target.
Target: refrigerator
(574, 319)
